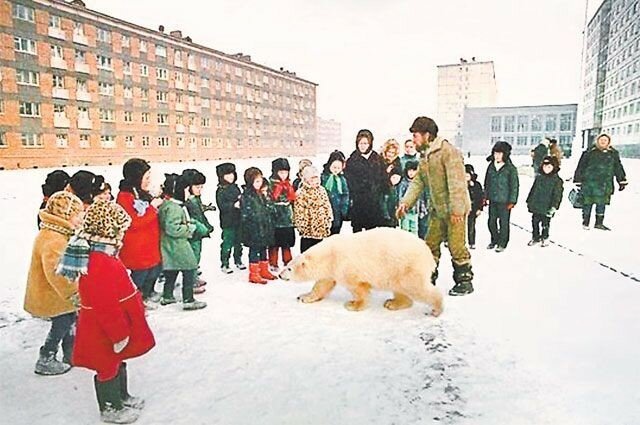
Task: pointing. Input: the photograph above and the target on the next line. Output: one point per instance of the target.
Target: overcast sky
(375, 60)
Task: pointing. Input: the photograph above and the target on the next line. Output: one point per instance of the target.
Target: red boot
(254, 274)
(286, 255)
(264, 271)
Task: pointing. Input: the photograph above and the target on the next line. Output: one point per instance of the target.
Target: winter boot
(544, 243)
(585, 221)
(167, 301)
(533, 242)
(264, 271)
(241, 266)
(599, 221)
(491, 246)
(127, 399)
(48, 365)
(463, 277)
(200, 282)
(193, 305)
(286, 255)
(254, 274)
(226, 270)
(112, 410)
(199, 289)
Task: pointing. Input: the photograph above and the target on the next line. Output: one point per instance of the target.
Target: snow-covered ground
(547, 338)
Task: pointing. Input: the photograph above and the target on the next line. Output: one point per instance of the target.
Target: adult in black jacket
(366, 178)
(501, 187)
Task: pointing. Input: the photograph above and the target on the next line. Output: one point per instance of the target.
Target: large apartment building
(78, 87)
(466, 84)
(611, 80)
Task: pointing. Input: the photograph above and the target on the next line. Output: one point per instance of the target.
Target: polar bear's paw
(355, 305)
(400, 302)
(309, 298)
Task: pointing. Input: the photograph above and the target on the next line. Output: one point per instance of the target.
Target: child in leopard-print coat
(312, 214)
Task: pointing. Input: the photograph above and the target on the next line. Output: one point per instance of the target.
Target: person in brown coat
(49, 295)
(442, 171)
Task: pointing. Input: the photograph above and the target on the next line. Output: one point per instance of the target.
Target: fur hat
(550, 160)
(424, 125)
(174, 186)
(468, 168)
(133, 170)
(83, 185)
(503, 147)
(105, 222)
(250, 174)
(309, 171)
(224, 169)
(55, 182)
(279, 164)
(333, 157)
(194, 177)
(63, 204)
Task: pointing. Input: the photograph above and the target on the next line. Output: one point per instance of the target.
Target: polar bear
(383, 258)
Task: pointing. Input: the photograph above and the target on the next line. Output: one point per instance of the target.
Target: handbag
(576, 198)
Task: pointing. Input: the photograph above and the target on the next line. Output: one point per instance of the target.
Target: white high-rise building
(462, 85)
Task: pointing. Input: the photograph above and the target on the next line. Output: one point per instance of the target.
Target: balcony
(194, 109)
(179, 85)
(193, 129)
(57, 33)
(83, 96)
(192, 87)
(82, 67)
(60, 120)
(80, 39)
(84, 123)
(179, 128)
(59, 93)
(180, 107)
(57, 62)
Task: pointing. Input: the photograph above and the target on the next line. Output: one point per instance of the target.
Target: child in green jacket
(177, 229)
(197, 209)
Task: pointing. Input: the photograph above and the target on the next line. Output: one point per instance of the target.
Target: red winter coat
(111, 310)
(141, 244)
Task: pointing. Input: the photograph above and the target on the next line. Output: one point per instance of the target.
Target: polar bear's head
(314, 264)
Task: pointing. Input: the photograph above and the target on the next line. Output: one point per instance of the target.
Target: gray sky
(376, 60)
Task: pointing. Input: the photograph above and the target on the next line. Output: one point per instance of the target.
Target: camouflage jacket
(442, 172)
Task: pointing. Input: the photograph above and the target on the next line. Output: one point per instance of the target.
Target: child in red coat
(111, 323)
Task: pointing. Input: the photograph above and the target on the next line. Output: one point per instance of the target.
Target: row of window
(623, 130)
(26, 13)
(35, 140)
(522, 124)
(563, 140)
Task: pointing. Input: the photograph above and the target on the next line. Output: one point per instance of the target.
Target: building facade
(329, 137)
(611, 80)
(78, 87)
(463, 85)
(523, 127)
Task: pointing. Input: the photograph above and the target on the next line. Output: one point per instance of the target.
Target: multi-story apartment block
(329, 136)
(79, 87)
(523, 127)
(611, 80)
(463, 85)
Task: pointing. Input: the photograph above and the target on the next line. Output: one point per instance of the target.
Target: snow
(547, 338)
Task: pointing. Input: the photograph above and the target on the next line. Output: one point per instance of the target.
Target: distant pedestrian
(476, 194)
(539, 153)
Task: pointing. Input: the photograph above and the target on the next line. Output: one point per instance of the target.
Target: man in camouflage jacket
(442, 172)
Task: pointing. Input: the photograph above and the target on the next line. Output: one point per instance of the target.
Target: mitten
(622, 186)
(119, 346)
(551, 212)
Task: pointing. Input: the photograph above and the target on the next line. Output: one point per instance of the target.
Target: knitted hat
(224, 169)
(64, 204)
(82, 184)
(250, 174)
(105, 222)
(310, 171)
(56, 181)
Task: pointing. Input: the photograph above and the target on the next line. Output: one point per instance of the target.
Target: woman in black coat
(367, 181)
